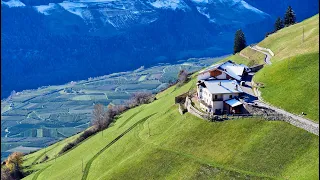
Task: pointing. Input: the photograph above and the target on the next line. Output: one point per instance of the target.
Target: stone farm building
(218, 89)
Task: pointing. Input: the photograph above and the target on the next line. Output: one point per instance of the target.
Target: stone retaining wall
(193, 110)
(182, 110)
(270, 114)
(253, 109)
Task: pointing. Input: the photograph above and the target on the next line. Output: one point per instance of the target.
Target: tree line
(289, 19)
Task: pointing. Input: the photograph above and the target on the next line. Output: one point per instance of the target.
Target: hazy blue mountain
(46, 42)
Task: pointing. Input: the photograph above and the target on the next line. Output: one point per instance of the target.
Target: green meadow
(154, 141)
(292, 81)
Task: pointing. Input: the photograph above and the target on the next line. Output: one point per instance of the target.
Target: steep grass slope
(154, 141)
(289, 41)
(292, 81)
(248, 57)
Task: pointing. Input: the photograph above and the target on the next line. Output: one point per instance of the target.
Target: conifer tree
(239, 41)
(278, 24)
(289, 17)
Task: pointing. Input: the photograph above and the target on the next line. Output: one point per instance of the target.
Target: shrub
(67, 147)
(142, 98)
(82, 137)
(85, 135)
(44, 159)
(5, 174)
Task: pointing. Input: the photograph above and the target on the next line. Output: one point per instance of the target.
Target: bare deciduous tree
(98, 117)
(142, 98)
(182, 76)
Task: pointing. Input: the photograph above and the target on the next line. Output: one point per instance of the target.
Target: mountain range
(47, 42)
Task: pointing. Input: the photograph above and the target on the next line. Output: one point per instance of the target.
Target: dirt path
(268, 55)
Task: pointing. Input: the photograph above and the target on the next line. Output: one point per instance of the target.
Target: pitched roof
(245, 67)
(233, 102)
(232, 69)
(226, 87)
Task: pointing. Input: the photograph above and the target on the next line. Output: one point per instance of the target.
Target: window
(215, 97)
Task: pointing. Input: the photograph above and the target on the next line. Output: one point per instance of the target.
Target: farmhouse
(225, 70)
(218, 89)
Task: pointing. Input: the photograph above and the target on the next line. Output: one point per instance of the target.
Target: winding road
(259, 49)
(298, 121)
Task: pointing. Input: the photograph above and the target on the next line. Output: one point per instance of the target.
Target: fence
(262, 116)
(188, 107)
(266, 115)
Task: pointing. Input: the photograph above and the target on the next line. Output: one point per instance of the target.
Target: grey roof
(233, 102)
(226, 87)
(232, 69)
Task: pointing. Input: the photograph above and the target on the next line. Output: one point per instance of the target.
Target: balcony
(218, 99)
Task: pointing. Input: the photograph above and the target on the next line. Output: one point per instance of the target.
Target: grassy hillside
(154, 141)
(293, 84)
(288, 42)
(249, 57)
(292, 81)
(294, 40)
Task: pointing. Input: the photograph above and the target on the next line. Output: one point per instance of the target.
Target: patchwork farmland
(37, 118)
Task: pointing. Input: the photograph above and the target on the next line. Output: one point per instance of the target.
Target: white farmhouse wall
(206, 96)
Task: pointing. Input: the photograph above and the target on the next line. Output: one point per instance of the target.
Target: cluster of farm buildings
(218, 88)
